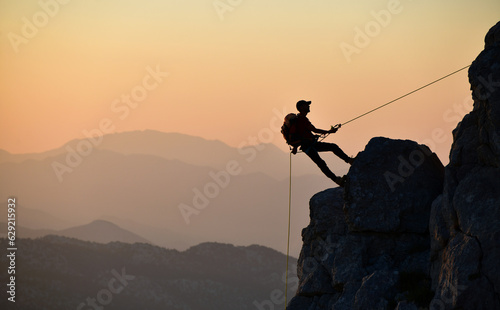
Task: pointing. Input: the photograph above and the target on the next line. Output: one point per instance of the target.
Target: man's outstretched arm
(321, 131)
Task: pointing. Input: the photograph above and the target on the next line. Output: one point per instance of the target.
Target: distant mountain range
(97, 231)
(264, 158)
(142, 180)
(61, 273)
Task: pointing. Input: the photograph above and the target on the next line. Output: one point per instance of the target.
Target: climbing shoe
(351, 160)
(340, 181)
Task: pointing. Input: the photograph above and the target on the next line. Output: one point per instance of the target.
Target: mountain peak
(102, 231)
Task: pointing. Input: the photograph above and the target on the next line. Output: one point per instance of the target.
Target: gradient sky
(229, 68)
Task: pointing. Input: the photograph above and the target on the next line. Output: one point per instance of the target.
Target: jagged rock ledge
(367, 247)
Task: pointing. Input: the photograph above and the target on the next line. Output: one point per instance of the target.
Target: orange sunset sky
(220, 69)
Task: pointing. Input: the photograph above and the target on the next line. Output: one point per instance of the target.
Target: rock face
(367, 247)
(391, 187)
(407, 233)
(465, 220)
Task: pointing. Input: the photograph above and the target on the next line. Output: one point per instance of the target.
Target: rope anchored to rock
(405, 95)
(322, 137)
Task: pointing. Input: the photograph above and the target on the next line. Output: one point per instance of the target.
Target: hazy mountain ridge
(99, 231)
(175, 146)
(60, 273)
(37, 219)
(149, 189)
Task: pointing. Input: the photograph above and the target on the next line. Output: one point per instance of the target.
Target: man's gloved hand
(334, 129)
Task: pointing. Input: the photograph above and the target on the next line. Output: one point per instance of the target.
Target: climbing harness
(321, 138)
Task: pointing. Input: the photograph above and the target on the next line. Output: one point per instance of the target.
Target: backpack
(289, 130)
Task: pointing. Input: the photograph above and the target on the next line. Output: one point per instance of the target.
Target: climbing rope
(289, 217)
(405, 95)
(321, 138)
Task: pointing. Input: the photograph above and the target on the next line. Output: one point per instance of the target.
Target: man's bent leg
(332, 147)
(313, 154)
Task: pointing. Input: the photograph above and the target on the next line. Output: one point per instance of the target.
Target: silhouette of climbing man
(310, 145)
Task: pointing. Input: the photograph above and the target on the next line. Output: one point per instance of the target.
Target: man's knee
(335, 148)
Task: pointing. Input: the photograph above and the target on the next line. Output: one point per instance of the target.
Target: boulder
(391, 187)
(367, 241)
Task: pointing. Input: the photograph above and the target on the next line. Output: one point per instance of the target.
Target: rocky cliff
(406, 232)
(465, 219)
(368, 245)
